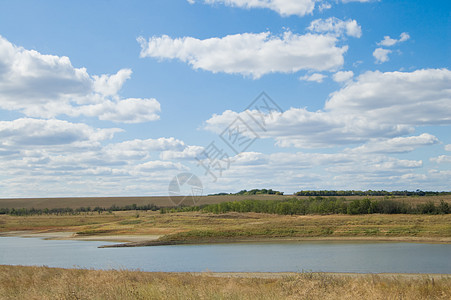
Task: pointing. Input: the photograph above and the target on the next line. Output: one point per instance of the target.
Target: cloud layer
(39, 157)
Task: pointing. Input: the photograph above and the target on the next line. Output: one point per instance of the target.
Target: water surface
(324, 256)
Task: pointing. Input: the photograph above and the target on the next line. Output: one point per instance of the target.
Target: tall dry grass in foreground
(17, 282)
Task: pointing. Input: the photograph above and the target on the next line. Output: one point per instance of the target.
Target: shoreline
(265, 275)
(143, 240)
(153, 243)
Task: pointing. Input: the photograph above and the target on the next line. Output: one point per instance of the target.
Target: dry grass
(17, 282)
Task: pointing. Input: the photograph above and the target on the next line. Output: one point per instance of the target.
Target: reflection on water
(360, 257)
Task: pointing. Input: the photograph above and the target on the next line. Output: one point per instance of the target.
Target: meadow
(18, 282)
(197, 227)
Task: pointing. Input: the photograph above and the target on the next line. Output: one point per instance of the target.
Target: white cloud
(343, 76)
(342, 170)
(45, 86)
(140, 149)
(190, 152)
(448, 147)
(441, 159)
(54, 157)
(28, 133)
(282, 7)
(109, 85)
(131, 110)
(397, 145)
(421, 97)
(375, 105)
(301, 128)
(250, 54)
(381, 55)
(362, 1)
(316, 77)
(151, 166)
(388, 41)
(336, 26)
(324, 6)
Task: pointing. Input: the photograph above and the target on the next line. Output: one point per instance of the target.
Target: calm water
(364, 257)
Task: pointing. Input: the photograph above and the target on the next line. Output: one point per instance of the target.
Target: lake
(321, 256)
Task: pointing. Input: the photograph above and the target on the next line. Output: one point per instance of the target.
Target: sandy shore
(65, 235)
(129, 240)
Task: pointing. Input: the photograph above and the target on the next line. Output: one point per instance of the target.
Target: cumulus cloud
(343, 76)
(381, 55)
(448, 147)
(109, 85)
(250, 54)
(27, 133)
(283, 7)
(46, 86)
(316, 77)
(336, 26)
(421, 97)
(375, 105)
(388, 41)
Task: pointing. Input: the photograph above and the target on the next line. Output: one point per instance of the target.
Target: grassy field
(17, 282)
(164, 201)
(194, 227)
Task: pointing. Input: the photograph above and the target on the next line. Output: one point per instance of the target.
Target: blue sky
(103, 98)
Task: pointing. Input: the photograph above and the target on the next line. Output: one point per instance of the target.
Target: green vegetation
(18, 282)
(259, 192)
(251, 192)
(319, 205)
(72, 211)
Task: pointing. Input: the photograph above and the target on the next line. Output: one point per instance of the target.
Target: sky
(121, 98)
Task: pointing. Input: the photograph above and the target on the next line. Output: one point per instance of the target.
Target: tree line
(329, 205)
(74, 211)
(251, 192)
(370, 193)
